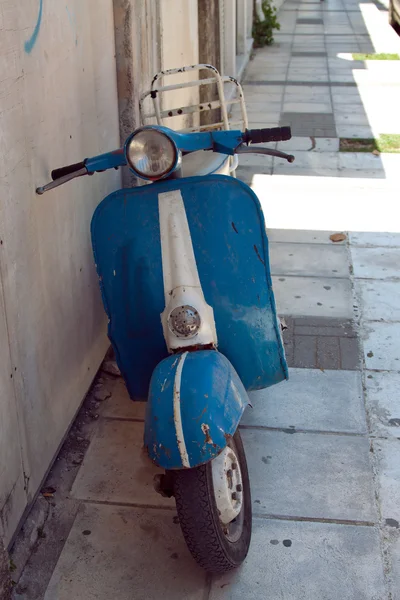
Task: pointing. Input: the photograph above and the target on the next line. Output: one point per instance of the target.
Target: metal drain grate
(310, 54)
(309, 21)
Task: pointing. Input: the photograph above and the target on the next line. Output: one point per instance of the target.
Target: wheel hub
(228, 486)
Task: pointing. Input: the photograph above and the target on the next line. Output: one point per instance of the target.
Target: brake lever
(60, 181)
(252, 150)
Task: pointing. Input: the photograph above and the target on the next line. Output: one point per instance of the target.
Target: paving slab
(119, 405)
(379, 299)
(376, 263)
(377, 238)
(117, 469)
(311, 399)
(395, 571)
(387, 454)
(303, 236)
(310, 475)
(382, 396)
(119, 552)
(309, 260)
(313, 296)
(307, 561)
(381, 343)
(359, 160)
(313, 160)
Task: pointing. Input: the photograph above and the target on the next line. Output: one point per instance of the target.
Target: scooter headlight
(184, 321)
(152, 154)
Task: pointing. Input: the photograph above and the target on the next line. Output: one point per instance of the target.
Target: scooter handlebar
(68, 170)
(271, 134)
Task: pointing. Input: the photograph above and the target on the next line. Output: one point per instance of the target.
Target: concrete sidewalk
(323, 449)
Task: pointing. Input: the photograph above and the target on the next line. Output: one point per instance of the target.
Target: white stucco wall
(58, 105)
(179, 45)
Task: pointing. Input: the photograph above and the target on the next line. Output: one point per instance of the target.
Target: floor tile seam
(275, 274)
(284, 91)
(388, 371)
(136, 505)
(289, 431)
(364, 321)
(372, 457)
(369, 245)
(127, 419)
(322, 520)
(330, 87)
(392, 279)
(256, 514)
(317, 244)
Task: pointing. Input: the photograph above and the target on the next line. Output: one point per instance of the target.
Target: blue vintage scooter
(185, 279)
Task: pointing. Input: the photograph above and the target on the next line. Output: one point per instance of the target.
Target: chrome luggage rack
(159, 115)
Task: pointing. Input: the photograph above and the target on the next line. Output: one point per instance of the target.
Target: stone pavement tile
(117, 469)
(265, 116)
(387, 455)
(124, 553)
(282, 169)
(359, 160)
(379, 299)
(395, 564)
(381, 343)
(352, 119)
(374, 239)
(311, 399)
(328, 352)
(302, 236)
(349, 353)
(295, 143)
(310, 475)
(382, 396)
(355, 131)
(256, 161)
(326, 144)
(305, 352)
(311, 160)
(306, 107)
(119, 405)
(309, 259)
(307, 144)
(376, 263)
(306, 561)
(308, 94)
(257, 107)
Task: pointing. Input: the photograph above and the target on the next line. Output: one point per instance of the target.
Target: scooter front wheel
(214, 508)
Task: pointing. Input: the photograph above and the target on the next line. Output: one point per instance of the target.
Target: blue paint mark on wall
(29, 44)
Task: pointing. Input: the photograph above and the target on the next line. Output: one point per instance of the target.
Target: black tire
(198, 516)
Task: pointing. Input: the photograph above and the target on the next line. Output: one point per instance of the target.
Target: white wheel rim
(228, 485)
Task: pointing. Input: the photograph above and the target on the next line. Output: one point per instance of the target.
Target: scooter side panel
(231, 249)
(196, 400)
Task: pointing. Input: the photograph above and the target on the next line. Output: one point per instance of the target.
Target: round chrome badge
(184, 321)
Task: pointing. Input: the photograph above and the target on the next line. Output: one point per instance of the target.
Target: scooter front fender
(196, 400)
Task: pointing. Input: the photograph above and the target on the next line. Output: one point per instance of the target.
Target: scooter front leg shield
(196, 400)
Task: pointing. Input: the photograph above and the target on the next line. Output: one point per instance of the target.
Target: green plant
(382, 56)
(386, 142)
(263, 31)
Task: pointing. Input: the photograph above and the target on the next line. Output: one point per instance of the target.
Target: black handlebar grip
(62, 171)
(272, 134)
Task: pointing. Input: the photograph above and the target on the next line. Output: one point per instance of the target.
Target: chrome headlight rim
(159, 130)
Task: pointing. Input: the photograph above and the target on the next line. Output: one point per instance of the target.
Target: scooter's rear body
(231, 251)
